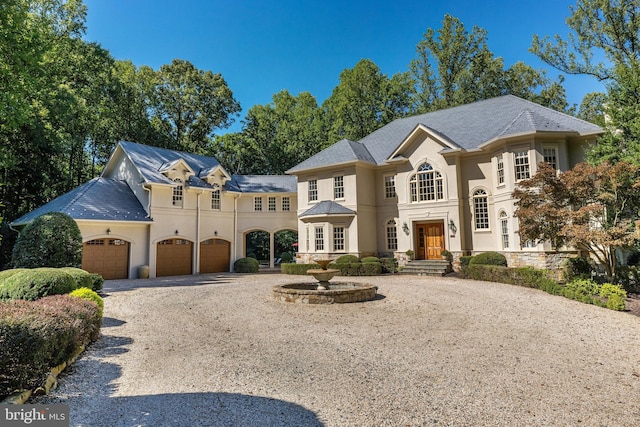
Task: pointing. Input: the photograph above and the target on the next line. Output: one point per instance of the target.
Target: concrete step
(427, 268)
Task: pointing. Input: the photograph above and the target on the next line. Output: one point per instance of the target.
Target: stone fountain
(324, 292)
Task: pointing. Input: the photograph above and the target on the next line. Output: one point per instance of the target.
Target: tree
(188, 104)
(50, 240)
(365, 100)
(604, 42)
(592, 208)
(455, 67)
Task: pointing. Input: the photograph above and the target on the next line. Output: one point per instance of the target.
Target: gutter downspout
(196, 268)
(152, 268)
(235, 228)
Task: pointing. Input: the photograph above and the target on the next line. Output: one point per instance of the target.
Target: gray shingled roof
(327, 207)
(341, 152)
(150, 160)
(99, 199)
(467, 127)
(262, 184)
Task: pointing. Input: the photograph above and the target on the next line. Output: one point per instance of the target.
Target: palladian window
(426, 185)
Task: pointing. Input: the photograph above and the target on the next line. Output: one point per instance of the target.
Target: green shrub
(5, 274)
(246, 265)
(616, 302)
(90, 295)
(82, 277)
(51, 240)
(347, 259)
(370, 259)
(581, 289)
(615, 296)
(464, 260)
(286, 257)
(38, 335)
(489, 258)
(37, 283)
(370, 269)
(447, 255)
(389, 265)
(97, 281)
(577, 268)
(252, 255)
(298, 269)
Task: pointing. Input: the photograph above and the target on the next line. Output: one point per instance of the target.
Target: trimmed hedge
(347, 259)
(38, 335)
(89, 295)
(297, 269)
(389, 265)
(489, 258)
(83, 278)
(97, 281)
(37, 283)
(370, 259)
(465, 260)
(358, 268)
(584, 290)
(246, 265)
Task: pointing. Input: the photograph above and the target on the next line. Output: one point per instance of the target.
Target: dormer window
(178, 190)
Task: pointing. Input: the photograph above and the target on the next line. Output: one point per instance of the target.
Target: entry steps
(424, 267)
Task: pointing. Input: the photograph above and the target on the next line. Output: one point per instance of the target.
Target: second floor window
(522, 165)
(338, 187)
(481, 210)
(286, 204)
(178, 192)
(313, 190)
(215, 200)
(500, 169)
(257, 204)
(272, 204)
(389, 187)
(426, 185)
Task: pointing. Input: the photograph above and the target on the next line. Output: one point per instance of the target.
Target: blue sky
(262, 47)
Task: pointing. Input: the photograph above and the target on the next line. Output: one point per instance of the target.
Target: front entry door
(430, 240)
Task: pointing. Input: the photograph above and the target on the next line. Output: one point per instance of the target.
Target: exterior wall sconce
(215, 233)
(453, 228)
(405, 228)
(177, 232)
(108, 231)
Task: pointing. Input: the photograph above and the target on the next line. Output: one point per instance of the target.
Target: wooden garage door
(174, 257)
(214, 256)
(107, 257)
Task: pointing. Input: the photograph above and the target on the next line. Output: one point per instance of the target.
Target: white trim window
(389, 186)
(392, 235)
(550, 155)
(504, 229)
(178, 193)
(426, 185)
(286, 204)
(319, 239)
(272, 203)
(481, 210)
(257, 203)
(338, 239)
(215, 200)
(500, 168)
(521, 165)
(338, 187)
(313, 190)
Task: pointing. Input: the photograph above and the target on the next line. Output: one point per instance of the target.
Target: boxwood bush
(37, 283)
(246, 265)
(489, 258)
(347, 259)
(298, 269)
(97, 281)
(90, 295)
(83, 278)
(38, 335)
(389, 265)
(370, 259)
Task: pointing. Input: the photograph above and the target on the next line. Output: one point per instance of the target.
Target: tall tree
(189, 104)
(604, 42)
(454, 66)
(365, 100)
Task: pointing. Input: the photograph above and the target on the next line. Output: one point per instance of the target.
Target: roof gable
(343, 151)
(262, 184)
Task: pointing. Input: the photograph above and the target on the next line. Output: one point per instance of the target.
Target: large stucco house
(441, 180)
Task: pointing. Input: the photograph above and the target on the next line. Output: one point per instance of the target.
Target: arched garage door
(214, 256)
(174, 257)
(107, 257)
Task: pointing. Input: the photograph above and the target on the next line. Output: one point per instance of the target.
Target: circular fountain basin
(338, 293)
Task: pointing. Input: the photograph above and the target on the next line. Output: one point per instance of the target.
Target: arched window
(392, 235)
(177, 192)
(504, 229)
(481, 210)
(426, 185)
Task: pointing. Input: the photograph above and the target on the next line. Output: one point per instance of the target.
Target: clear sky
(261, 47)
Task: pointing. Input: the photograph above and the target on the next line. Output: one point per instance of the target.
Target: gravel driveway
(218, 350)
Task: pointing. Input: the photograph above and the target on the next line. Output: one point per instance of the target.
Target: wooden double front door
(430, 240)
